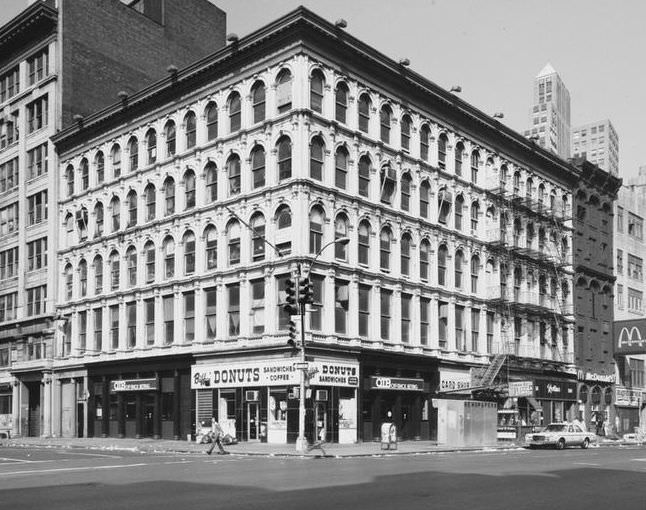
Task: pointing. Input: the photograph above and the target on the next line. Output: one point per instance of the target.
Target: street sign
(301, 365)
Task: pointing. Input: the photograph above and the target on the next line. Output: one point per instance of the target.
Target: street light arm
(340, 240)
(273, 246)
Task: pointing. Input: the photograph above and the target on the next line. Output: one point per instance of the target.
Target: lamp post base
(301, 445)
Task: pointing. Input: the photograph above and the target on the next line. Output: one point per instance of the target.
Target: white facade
(598, 143)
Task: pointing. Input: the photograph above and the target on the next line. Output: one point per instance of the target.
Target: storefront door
(148, 407)
(320, 420)
(253, 421)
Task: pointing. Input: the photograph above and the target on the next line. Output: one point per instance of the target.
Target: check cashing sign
(281, 372)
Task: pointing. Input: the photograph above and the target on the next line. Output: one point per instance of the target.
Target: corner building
(299, 134)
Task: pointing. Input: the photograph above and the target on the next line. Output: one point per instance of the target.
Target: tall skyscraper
(598, 143)
(550, 113)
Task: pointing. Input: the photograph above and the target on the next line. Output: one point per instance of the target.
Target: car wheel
(585, 444)
(560, 444)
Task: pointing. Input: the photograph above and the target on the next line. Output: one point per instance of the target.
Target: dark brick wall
(108, 47)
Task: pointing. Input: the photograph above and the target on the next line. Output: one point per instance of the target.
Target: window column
(178, 317)
(123, 325)
(222, 313)
(353, 306)
(466, 326)
(105, 327)
(396, 315)
(434, 321)
(328, 324)
(159, 319)
(415, 317)
(200, 313)
(482, 335)
(271, 305)
(246, 322)
(450, 334)
(74, 347)
(375, 312)
(140, 336)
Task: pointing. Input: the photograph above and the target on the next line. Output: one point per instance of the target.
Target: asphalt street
(598, 478)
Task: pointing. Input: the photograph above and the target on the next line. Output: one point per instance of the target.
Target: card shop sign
(555, 390)
(396, 383)
(134, 385)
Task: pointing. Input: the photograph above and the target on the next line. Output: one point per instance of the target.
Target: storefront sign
(240, 374)
(521, 389)
(595, 377)
(626, 397)
(455, 381)
(630, 336)
(134, 385)
(395, 383)
(555, 390)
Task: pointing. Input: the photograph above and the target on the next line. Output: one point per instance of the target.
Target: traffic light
(305, 290)
(292, 341)
(292, 298)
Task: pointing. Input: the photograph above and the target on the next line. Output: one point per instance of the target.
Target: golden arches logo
(633, 336)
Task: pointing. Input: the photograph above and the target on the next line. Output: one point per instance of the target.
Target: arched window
(541, 239)
(169, 257)
(317, 148)
(341, 231)
(518, 280)
(132, 208)
(169, 196)
(341, 168)
(171, 138)
(133, 153)
(424, 198)
(284, 158)
(516, 184)
(211, 172)
(441, 151)
(233, 241)
(317, 217)
(190, 129)
(388, 181)
(258, 101)
(405, 192)
(475, 164)
(151, 146)
(211, 239)
(284, 91)
(258, 166)
(384, 123)
(475, 213)
(541, 195)
(385, 240)
(149, 254)
(84, 170)
(364, 243)
(83, 277)
(98, 219)
(341, 102)
(188, 240)
(405, 255)
(150, 196)
(504, 174)
(365, 168)
(283, 218)
(97, 264)
(424, 142)
(131, 262)
(317, 83)
(69, 179)
(442, 255)
(99, 165)
(475, 273)
(211, 114)
(529, 188)
(405, 132)
(234, 112)
(518, 230)
(424, 259)
(115, 156)
(459, 151)
(69, 227)
(459, 263)
(115, 270)
(189, 190)
(69, 282)
(233, 173)
(459, 206)
(258, 237)
(529, 237)
(364, 112)
(115, 212)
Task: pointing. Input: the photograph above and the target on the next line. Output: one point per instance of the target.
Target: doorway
(148, 409)
(34, 409)
(253, 421)
(320, 421)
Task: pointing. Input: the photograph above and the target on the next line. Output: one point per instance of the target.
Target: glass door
(253, 421)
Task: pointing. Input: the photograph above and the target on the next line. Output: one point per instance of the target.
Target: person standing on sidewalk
(216, 438)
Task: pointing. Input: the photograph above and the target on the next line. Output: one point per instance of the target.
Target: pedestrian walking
(216, 438)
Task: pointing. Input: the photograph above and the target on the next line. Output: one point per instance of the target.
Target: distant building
(550, 113)
(598, 143)
(59, 61)
(630, 250)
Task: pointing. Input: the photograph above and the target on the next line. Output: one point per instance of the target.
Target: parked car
(560, 435)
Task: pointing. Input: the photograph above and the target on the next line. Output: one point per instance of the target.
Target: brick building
(301, 134)
(61, 60)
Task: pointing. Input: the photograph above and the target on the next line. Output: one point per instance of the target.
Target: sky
(493, 49)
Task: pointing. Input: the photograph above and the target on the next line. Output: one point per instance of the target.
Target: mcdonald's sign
(630, 336)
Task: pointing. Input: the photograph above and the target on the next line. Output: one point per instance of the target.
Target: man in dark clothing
(216, 438)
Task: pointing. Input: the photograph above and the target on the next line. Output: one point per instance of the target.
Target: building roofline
(38, 12)
(310, 22)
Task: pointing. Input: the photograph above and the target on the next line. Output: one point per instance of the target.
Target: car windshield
(555, 427)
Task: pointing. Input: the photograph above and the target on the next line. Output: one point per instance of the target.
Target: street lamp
(301, 442)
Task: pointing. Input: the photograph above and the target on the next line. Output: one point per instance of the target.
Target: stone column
(56, 408)
(47, 405)
(15, 408)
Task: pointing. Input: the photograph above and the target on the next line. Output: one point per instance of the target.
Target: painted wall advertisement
(240, 374)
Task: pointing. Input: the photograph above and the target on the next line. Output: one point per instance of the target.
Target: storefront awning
(535, 404)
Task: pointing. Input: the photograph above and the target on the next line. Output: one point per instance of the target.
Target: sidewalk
(367, 449)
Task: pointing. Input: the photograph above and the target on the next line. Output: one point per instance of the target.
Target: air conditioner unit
(321, 395)
(252, 395)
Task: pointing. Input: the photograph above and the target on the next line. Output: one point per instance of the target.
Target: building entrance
(253, 421)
